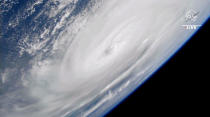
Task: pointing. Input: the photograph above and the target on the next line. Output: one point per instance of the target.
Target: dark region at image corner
(179, 87)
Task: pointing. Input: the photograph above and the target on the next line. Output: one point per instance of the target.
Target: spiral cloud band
(88, 55)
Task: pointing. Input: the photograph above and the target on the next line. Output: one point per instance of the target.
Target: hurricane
(80, 58)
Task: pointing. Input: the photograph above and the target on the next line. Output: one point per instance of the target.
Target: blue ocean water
(21, 24)
(21, 19)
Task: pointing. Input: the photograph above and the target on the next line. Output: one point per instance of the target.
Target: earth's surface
(73, 58)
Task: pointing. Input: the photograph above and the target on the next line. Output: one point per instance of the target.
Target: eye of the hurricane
(101, 56)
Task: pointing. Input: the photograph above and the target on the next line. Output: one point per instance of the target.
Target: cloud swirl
(89, 55)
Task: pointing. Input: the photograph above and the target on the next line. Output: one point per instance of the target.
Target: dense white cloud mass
(104, 52)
